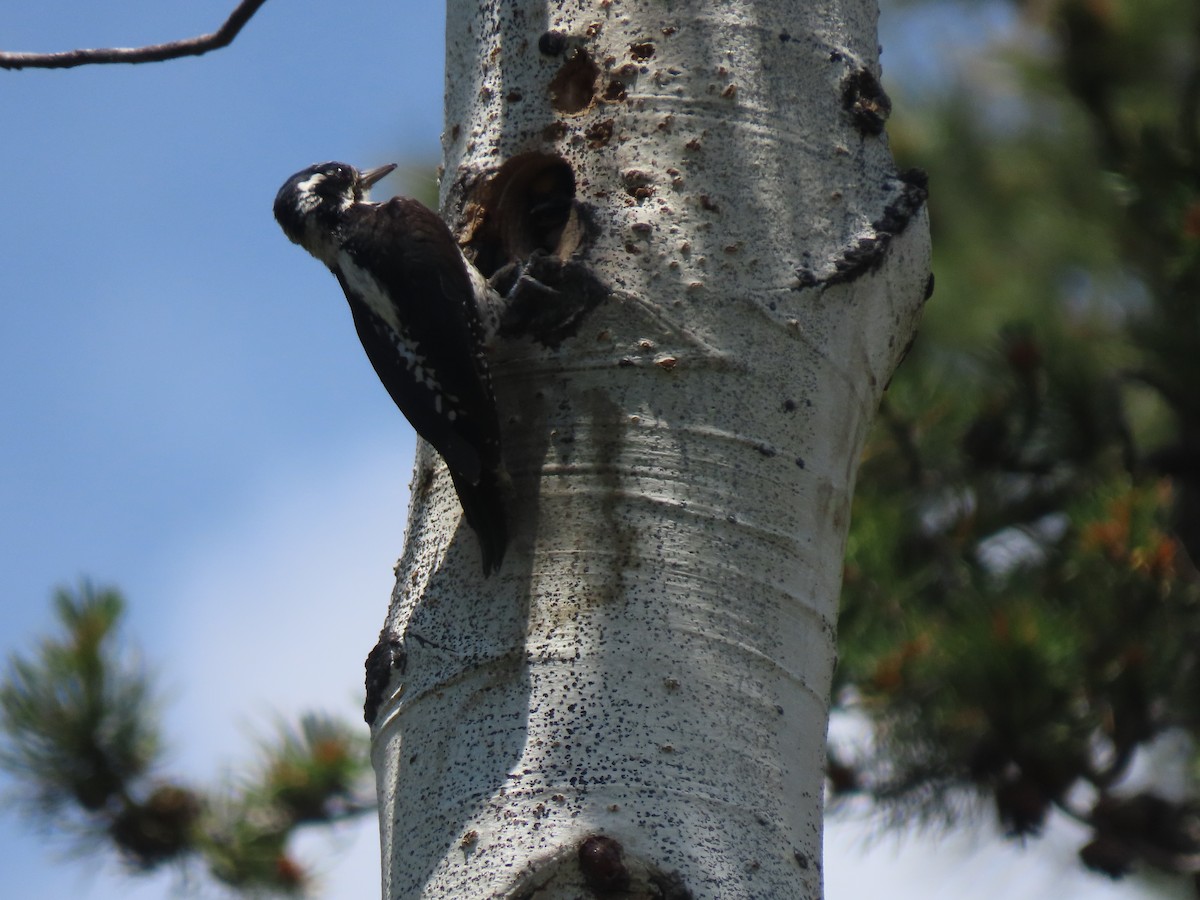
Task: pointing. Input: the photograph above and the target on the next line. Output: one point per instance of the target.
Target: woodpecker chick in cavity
(414, 304)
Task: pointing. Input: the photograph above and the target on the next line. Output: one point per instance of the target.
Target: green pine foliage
(80, 736)
(1021, 611)
(79, 717)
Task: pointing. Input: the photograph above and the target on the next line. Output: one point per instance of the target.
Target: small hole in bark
(615, 92)
(553, 43)
(601, 864)
(600, 134)
(642, 51)
(573, 87)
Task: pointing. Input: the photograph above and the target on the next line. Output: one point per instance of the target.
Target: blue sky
(187, 413)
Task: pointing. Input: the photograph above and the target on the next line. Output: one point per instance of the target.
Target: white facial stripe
(307, 199)
(310, 183)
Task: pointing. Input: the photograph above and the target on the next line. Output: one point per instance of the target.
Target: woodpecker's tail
(483, 505)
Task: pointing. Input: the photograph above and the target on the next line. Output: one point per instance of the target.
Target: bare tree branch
(195, 46)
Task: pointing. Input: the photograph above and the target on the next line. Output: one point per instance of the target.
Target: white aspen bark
(637, 700)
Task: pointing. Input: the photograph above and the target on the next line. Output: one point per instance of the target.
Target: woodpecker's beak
(369, 177)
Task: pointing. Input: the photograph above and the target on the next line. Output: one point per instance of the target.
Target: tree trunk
(724, 267)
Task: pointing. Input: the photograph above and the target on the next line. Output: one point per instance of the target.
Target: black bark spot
(864, 98)
(386, 656)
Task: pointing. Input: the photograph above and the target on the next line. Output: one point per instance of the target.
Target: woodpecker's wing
(414, 310)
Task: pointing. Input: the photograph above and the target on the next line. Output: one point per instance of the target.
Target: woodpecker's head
(310, 205)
